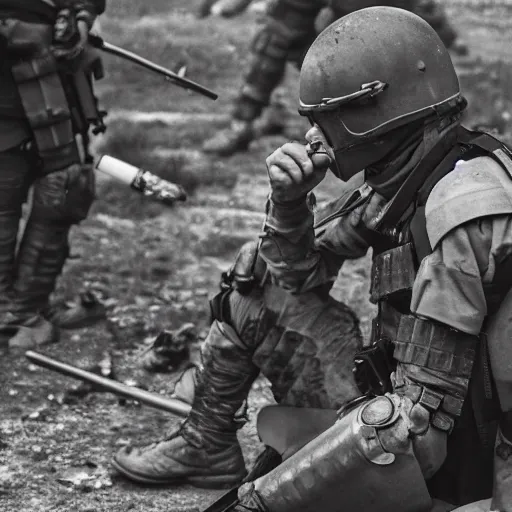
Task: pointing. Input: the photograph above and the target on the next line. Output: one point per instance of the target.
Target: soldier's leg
(15, 170)
(289, 23)
(380, 454)
(308, 350)
(204, 450)
(433, 12)
(61, 199)
(305, 345)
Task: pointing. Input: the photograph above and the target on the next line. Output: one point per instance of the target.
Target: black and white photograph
(255, 256)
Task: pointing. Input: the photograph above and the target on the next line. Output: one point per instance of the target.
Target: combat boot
(231, 140)
(185, 389)
(32, 332)
(85, 311)
(204, 451)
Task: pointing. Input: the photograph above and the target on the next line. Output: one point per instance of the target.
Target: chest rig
(401, 238)
(400, 242)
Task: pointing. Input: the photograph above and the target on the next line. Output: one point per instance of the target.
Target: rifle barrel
(151, 399)
(152, 66)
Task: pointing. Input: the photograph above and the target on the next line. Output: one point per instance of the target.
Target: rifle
(171, 405)
(98, 42)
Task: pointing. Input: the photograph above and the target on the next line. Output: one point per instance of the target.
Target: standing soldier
(288, 31)
(381, 94)
(46, 100)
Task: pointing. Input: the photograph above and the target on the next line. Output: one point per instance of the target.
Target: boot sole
(202, 482)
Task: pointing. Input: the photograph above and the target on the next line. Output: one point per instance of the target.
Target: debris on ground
(170, 350)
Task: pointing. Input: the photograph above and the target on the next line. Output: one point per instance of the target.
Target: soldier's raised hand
(293, 171)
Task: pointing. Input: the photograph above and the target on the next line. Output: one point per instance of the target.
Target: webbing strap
(440, 155)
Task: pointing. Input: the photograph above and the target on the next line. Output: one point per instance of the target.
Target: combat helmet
(370, 73)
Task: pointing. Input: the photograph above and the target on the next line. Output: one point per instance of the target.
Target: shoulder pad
(475, 188)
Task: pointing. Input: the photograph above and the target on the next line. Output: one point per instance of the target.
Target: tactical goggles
(367, 91)
(329, 114)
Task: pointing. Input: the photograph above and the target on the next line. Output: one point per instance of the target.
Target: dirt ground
(156, 266)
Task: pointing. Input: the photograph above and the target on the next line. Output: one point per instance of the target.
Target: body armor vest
(398, 251)
(397, 256)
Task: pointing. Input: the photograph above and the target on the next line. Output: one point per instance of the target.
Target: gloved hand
(293, 172)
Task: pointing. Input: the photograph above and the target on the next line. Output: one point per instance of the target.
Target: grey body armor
(414, 442)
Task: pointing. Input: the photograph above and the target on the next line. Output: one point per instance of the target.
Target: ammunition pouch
(393, 273)
(21, 39)
(46, 108)
(66, 195)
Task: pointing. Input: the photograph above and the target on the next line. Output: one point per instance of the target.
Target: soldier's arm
(297, 258)
(468, 224)
(456, 282)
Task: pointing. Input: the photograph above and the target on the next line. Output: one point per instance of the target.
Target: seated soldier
(257, 327)
(381, 94)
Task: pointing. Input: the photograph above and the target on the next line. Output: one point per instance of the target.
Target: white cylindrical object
(116, 168)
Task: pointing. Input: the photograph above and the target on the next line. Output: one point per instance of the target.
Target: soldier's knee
(64, 196)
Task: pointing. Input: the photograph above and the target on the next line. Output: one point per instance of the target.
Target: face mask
(351, 153)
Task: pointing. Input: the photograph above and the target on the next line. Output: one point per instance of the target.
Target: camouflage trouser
(287, 33)
(303, 344)
(60, 199)
(289, 30)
